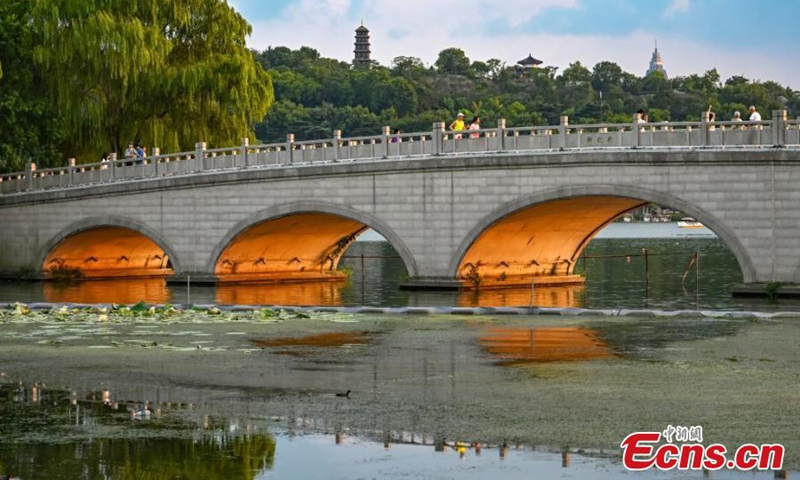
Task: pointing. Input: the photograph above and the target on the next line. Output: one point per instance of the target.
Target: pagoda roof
(529, 60)
(362, 28)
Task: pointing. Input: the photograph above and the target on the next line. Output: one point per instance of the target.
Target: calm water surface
(617, 276)
(426, 393)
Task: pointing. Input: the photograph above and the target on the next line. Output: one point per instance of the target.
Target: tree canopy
(80, 77)
(166, 73)
(29, 126)
(315, 95)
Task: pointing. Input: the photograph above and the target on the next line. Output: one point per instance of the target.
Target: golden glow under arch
(295, 247)
(540, 242)
(108, 252)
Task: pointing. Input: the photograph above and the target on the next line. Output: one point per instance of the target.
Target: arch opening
(540, 242)
(107, 252)
(297, 247)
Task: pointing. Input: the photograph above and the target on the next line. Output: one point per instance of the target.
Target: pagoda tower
(656, 65)
(362, 51)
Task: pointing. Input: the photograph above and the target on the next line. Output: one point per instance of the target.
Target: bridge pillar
(438, 137)
(501, 134)
(336, 143)
(290, 148)
(563, 130)
(29, 169)
(778, 127)
(112, 165)
(385, 131)
(704, 124)
(155, 152)
(245, 149)
(71, 165)
(200, 155)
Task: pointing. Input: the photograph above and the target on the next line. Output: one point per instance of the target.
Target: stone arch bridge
(506, 207)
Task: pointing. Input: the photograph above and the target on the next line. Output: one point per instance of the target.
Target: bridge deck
(778, 132)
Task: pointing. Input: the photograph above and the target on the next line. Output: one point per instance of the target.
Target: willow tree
(167, 73)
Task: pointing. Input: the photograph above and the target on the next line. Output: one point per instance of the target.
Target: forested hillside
(316, 95)
(79, 79)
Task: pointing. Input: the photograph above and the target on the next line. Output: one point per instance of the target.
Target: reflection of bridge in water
(522, 346)
(512, 206)
(156, 291)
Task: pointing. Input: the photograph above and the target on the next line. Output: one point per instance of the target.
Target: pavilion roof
(529, 60)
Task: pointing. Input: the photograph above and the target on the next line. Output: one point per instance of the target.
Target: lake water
(430, 398)
(614, 269)
(240, 395)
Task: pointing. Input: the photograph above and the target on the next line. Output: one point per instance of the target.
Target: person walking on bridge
(458, 125)
(754, 115)
(474, 126)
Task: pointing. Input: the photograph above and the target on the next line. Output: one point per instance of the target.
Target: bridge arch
(110, 229)
(358, 222)
(609, 191)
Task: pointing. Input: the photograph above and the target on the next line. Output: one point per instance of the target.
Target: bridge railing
(793, 132)
(703, 134)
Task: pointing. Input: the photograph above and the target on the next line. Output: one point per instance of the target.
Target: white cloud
(434, 26)
(677, 6)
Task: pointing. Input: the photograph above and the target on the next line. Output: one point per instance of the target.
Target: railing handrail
(778, 131)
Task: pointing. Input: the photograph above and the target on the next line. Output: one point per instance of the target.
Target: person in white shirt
(130, 152)
(754, 115)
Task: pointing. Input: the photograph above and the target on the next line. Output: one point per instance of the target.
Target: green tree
(296, 87)
(605, 75)
(575, 74)
(29, 128)
(412, 97)
(453, 61)
(407, 66)
(395, 92)
(167, 73)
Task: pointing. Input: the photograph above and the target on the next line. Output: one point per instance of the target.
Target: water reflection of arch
(301, 293)
(608, 191)
(519, 346)
(124, 291)
(87, 225)
(279, 212)
(560, 296)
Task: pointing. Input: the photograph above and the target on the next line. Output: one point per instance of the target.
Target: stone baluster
(438, 138)
(336, 144)
(704, 140)
(501, 134)
(71, 171)
(154, 156)
(29, 169)
(112, 165)
(200, 155)
(290, 148)
(563, 131)
(385, 132)
(778, 128)
(245, 152)
(637, 131)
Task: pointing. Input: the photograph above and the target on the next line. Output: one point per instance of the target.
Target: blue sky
(755, 38)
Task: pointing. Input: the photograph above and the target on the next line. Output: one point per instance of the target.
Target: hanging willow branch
(162, 72)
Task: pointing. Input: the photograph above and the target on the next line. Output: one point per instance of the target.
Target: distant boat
(689, 222)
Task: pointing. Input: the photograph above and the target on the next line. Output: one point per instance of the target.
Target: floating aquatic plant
(143, 313)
